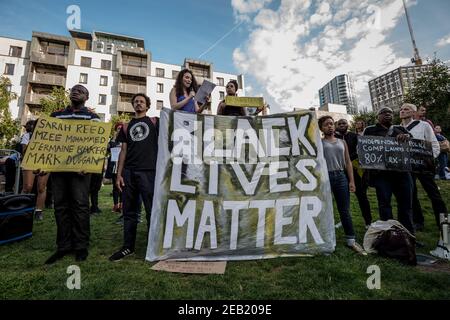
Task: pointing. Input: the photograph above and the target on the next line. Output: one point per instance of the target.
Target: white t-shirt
(25, 138)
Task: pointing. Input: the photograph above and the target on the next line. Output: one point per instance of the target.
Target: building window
(86, 62)
(9, 69)
(83, 78)
(106, 64)
(15, 51)
(102, 99)
(175, 74)
(9, 87)
(103, 80)
(222, 95)
(160, 87)
(160, 72)
(220, 82)
(159, 104)
(109, 48)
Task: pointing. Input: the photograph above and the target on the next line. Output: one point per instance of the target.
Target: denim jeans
(341, 192)
(443, 161)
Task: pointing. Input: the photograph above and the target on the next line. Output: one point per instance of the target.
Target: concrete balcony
(133, 71)
(46, 58)
(50, 79)
(34, 98)
(124, 107)
(132, 88)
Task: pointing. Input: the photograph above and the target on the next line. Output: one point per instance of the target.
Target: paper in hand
(204, 91)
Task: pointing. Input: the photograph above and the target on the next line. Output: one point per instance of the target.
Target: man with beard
(136, 170)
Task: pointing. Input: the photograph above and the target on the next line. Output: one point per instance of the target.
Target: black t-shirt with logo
(142, 143)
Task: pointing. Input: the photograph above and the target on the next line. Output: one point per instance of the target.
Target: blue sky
(287, 49)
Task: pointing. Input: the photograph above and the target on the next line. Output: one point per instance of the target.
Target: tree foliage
(433, 91)
(369, 118)
(8, 126)
(123, 117)
(57, 99)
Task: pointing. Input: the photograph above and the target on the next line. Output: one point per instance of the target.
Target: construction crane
(417, 60)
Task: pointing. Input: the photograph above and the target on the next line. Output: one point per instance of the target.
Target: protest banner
(239, 188)
(67, 146)
(385, 153)
(244, 102)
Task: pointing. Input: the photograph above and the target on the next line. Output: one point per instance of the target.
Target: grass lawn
(341, 275)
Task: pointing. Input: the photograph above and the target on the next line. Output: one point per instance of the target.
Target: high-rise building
(389, 89)
(113, 68)
(339, 91)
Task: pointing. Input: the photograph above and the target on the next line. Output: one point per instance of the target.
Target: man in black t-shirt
(136, 170)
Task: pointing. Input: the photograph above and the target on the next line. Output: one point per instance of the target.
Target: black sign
(388, 154)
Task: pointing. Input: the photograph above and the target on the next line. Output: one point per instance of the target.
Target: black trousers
(136, 183)
(362, 185)
(10, 175)
(71, 204)
(399, 184)
(430, 187)
(94, 189)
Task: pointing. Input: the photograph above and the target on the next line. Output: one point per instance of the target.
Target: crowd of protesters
(133, 152)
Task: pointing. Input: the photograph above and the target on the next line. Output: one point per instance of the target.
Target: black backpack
(398, 244)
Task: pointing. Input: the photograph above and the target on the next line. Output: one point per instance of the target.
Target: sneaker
(358, 249)
(81, 255)
(56, 256)
(38, 215)
(122, 253)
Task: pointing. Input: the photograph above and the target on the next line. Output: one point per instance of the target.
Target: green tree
(57, 99)
(369, 118)
(433, 91)
(8, 126)
(123, 117)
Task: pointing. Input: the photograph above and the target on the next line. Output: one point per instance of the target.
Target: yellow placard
(244, 102)
(67, 146)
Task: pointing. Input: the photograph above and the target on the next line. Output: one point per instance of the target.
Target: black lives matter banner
(384, 153)
(239, 188)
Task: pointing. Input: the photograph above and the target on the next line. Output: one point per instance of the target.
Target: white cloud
(243, 8)
(444, 41)
(293, 51)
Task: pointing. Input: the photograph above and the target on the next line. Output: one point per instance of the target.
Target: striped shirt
(82, 114)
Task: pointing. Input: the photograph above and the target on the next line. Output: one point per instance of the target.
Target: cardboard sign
(244, 102)
(212, 267)
(385, 153)
(67, 146)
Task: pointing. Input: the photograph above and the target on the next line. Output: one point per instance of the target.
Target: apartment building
(113, 67)
(389, 89)
(340, 90)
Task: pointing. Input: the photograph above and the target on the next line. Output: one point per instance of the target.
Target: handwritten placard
(244, 102)
(67, 146)
(383, 153)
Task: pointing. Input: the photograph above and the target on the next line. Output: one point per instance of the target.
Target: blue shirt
(188, 107)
